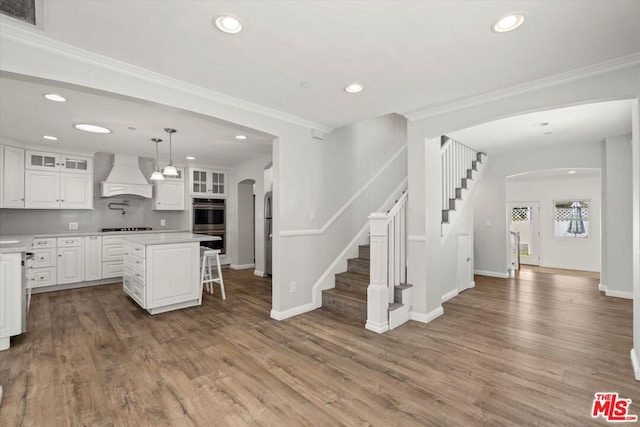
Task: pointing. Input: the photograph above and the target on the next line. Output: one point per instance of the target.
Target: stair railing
(388, 260)
(455, 159)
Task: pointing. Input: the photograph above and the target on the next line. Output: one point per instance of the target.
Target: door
(268, 232)
(42, 189)
(70, 265)
(13, 177)
(75, 191)
(93, 258)
(465, 264)
(525, 222)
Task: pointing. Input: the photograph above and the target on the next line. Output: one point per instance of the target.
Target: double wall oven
(209, 217)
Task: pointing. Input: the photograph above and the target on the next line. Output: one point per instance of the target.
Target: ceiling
(572, 125)
(296, 57)
(25, 115)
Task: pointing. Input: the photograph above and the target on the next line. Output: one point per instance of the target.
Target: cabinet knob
(22, 200)
(59, 255)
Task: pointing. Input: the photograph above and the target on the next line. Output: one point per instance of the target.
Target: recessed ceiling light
(508, 23)
(572, 172)
(132, 128)
(190, 158)
(541, 124)
(228, 24)
(354, 88)
(50, 138)
(548, 133)
(305, 84)
(91, 128)
(55, 97)
(241, 137)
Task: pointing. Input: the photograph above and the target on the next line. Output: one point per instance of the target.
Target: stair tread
(354, 275)
(354, 296)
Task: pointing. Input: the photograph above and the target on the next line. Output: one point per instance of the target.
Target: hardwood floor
(530, 350)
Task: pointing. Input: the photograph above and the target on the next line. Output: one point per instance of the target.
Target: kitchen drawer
(112, 252)
(44, 258)
(43, 277)
(138, 291)
(67, 242)
(43, 243)
(138, 275)
(111, 269)
(108, 240)
(126, 248)
(127, 283)
(138, 249)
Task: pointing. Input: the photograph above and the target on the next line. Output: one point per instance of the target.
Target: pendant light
(157, 175)
(170, 170)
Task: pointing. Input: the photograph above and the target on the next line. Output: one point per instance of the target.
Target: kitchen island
(161, 271)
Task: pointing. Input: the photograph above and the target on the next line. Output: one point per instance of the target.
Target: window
(571, 219)
(24, 10)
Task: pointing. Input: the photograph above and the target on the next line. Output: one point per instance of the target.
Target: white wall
(491, 225)
(617, 275)
(558, 252)
(334, 185)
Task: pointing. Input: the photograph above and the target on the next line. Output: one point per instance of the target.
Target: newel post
(378, 292)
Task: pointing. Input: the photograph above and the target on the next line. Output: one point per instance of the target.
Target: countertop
(164, 238)
(22, 242)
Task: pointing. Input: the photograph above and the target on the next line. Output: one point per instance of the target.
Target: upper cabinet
(13, 177)
(207, 182)
(46, 180)
(168, 194)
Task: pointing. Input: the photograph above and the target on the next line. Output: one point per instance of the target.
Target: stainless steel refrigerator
(268, 232)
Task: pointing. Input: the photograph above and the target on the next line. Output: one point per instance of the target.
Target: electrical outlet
(312, 215)
(293, 287)
(73, 226)
(163, 222)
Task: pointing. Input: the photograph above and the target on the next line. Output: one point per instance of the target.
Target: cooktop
(106, 230)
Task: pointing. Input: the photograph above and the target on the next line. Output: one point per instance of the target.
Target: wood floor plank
(529, 350)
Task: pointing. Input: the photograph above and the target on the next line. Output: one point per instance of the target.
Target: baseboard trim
(426, 318)
(259, 273)
(472, 284)
(77, 285)
(602, 288)
(491, 274)
(636, 364)
(282, 315)
(375, 327)
(619, 294)
(241, 266)
(446, 297)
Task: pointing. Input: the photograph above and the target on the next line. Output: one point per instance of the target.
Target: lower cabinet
(163, 277)
(112, 249)
(70, 260)
(92, 258)
(10, 297)
(45, 262)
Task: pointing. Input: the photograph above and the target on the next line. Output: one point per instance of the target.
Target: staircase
(461, 167)
(349, 297)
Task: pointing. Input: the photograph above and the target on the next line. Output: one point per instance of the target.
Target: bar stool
(209, 274)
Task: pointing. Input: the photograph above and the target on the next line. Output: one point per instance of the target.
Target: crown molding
(557, 79)
(35, 38)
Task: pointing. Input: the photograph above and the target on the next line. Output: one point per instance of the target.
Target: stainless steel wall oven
(209, 217)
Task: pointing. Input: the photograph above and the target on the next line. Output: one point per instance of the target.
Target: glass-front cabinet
(38, 160)
(207, 182)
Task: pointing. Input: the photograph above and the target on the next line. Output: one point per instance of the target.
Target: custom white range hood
(125, 178)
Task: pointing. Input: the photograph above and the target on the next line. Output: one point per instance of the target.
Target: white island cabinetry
(161, 271)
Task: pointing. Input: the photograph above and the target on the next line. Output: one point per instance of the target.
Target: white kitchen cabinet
(70, 163)
(51, 190)
(13, 177)
(2, 175)
(112, 250)
(45, 260)
(41, 189)
(10, 297)
(92, 258)
(43, 161)
(163, 277)
(70, 260)
(207, 182)
(76, 191)
(168, 194)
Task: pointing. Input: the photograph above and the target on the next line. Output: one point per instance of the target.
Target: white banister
(387, 266)
(456, 159)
